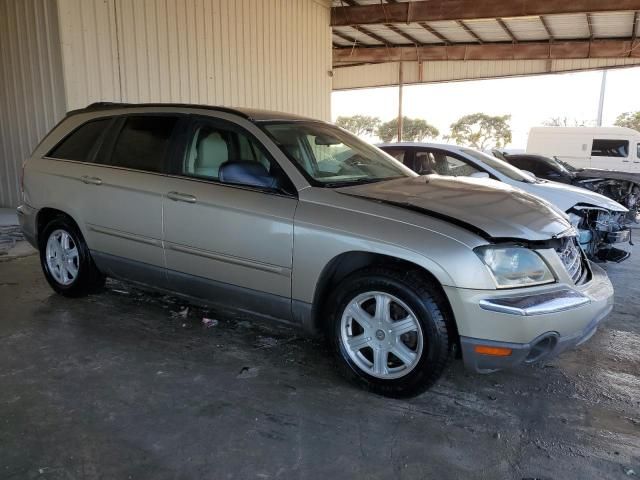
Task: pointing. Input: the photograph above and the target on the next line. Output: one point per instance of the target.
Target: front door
(227, 243)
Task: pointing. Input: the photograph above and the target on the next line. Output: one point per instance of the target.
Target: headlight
(515, 266)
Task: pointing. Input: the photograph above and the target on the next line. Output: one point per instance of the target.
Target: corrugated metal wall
(31, 87)
(271, 54)
(386, 74)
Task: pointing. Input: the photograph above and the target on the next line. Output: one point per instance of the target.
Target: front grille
(572, 259)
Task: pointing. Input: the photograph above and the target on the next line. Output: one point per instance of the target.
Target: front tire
(66, 261)
(389, 331)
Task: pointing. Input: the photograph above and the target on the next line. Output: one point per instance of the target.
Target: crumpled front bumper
(531, 325)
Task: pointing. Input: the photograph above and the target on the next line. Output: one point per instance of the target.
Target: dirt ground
(124, 384)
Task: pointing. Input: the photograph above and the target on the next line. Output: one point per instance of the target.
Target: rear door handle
(181, 197)
(626, 161)
(91, 180)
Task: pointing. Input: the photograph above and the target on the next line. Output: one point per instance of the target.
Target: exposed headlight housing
(515, 266)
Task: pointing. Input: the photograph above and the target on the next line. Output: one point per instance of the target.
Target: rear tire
(66, 260)
(389, 332)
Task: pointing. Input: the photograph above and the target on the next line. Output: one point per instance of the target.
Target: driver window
(210, 146)
(444, 164)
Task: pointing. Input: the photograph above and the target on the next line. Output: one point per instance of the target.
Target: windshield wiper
(359, 181)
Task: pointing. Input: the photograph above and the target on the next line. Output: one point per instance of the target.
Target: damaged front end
(623, 190)
(599, 230)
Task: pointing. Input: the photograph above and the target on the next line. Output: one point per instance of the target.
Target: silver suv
(298, 220)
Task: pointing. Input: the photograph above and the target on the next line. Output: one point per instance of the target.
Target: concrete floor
(122, 385)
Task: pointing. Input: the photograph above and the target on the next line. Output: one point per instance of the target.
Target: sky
(529, 100)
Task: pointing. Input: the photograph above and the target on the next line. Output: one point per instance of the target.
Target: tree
(359, 124)
(566, 122)
(413, 130)
(481, 131)
(629, 120)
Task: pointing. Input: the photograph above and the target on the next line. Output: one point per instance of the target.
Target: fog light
(493, 351)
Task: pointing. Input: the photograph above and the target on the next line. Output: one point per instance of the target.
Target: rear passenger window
(610, 148)
(79, 145)
(143, 142)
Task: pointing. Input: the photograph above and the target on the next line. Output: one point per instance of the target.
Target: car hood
(609, 174)
(567, 196)
(493, 209)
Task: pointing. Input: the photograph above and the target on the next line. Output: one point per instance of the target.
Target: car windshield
(499, 165)
(566, 166)
(331, 157)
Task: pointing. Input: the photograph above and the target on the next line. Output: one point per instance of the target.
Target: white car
(599, 220)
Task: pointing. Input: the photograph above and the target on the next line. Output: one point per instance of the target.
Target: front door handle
(91, 180)
(181, 197)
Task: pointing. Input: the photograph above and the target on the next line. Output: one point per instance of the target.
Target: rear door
(122, 203)
(231, 244)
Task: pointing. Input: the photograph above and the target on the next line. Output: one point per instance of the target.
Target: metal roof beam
(546, 27)
(435, 33)
(469, 31)
(433, 10)
(506, 29)
(488, 51)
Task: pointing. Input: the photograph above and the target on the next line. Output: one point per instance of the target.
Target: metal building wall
(31, 89)
(386, 74)
(271, 54)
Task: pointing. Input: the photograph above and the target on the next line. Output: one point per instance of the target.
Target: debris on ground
(181, 314)
(248, 372)
(9, 236)
(629, 472)
(266, 342)
(209, 322)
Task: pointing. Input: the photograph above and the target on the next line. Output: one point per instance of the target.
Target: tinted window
(521, 163)
(79, 145)
(638, 147)
(211, 145)
(538, 166)
(143, 142)
(610, 148)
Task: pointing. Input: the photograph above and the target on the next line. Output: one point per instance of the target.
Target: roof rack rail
(114, 105)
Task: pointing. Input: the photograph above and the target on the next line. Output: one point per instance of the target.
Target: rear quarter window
(81, 144)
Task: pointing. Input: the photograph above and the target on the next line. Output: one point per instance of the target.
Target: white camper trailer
(611, 148)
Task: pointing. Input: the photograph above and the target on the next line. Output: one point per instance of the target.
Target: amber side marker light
(493, 351)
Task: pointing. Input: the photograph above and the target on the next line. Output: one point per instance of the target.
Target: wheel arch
(46, 214)
(346, 263)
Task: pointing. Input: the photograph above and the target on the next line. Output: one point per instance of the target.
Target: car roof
(586, 130)
(442, 146)
(533, 156)
(254, 115)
